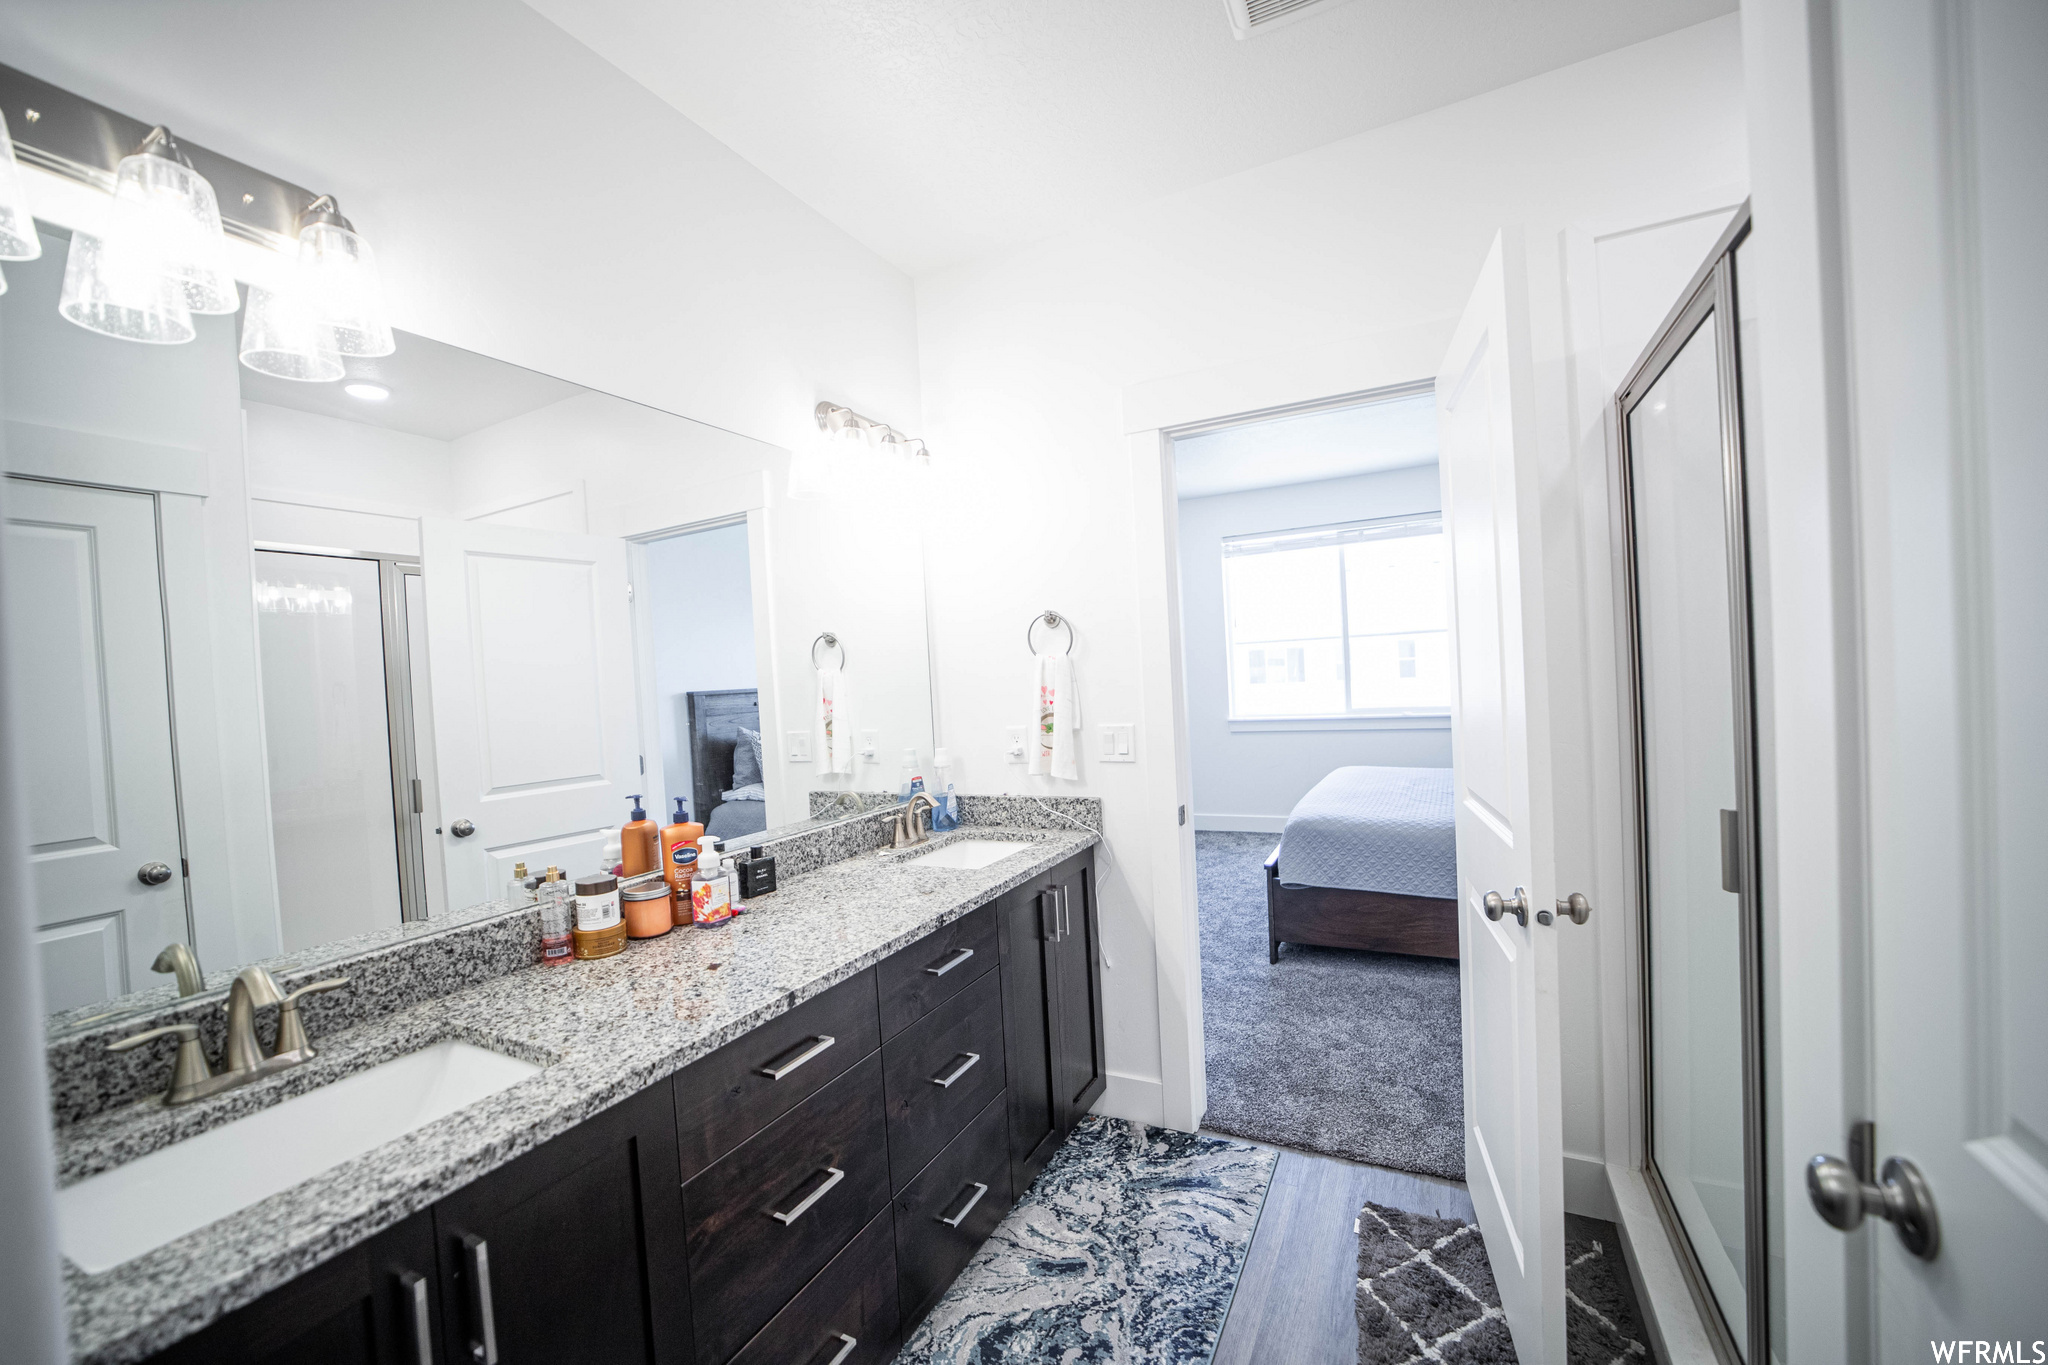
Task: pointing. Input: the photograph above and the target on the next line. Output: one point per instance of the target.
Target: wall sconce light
(339, 272)
(18, 239)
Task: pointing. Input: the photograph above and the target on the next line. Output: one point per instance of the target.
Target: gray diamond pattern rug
(1425, 1293)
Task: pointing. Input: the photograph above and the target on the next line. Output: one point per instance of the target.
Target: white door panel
(85, 626)
(1508, 970)
(529, 642)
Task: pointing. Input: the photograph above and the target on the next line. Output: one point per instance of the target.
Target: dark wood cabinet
(574, 1251)
(942, 1071)
(934, 969)
(377, 1303)
(950, 1209)
(847, 1313)
(1052, 997)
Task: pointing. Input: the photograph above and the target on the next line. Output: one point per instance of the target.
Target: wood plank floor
(1295, 1301)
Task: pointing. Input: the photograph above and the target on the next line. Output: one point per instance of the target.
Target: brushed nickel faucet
(178, 958)
(243, 1058)
(911, 831)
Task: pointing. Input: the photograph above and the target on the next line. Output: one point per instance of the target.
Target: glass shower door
(1689, 590)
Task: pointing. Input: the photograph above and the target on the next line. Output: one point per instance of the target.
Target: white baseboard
(1670, 1314)
(1140, 1099)
(1242, 824)
(1586, 1191)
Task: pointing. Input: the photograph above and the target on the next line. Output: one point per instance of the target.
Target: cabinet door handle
(421, 1323)
(944, 1082)
(950, 963)
(1066, 915)
(833, 1175)
(483, 1343)
(957, 1219)
(789, 1062)
(846, 1345)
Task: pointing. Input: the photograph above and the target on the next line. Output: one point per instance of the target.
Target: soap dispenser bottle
(710, 893)
(639, 843)
(679, 854)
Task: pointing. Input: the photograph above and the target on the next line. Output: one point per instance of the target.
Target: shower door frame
(1711, 293)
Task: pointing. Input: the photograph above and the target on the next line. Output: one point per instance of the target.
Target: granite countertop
(602, 1031)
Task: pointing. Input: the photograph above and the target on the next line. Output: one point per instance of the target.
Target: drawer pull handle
(942, 1082)
(782, 1066)
(414, 1286)
(951, 963)
(833, 1176)
(483, 1347)
(846, 1345)
(957, 1219)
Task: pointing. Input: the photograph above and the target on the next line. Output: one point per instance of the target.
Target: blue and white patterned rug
(1127, 1247)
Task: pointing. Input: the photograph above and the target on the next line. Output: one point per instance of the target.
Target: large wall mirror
(301, 665)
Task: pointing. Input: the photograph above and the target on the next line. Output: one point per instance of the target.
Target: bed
(1368, 860)
(726, 790)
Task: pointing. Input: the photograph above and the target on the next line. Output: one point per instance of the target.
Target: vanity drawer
(854, 1296)
(724, 1099)
(934, 969)
(961, 1043)
(930, 1250)
(766, 1217)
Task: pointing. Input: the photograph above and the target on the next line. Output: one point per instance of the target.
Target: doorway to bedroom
(699, 678)
(1316, 658)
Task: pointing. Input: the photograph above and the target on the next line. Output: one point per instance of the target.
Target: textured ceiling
(935, 131)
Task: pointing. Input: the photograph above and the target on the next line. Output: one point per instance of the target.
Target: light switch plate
(1015, 748)
(1119, 744)
(799, 746)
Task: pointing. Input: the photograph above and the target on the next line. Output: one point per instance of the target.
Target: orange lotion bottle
(683, 834)
(638, 850)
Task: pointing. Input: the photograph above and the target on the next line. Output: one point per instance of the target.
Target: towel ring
(830, 641)
(1053, 621)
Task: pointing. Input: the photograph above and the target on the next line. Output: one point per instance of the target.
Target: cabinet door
(375, 1304)
(1078, 1069)
(575, 1250)
(1028, 993)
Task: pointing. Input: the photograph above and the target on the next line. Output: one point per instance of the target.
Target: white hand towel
(1055, 745)
(834, 738)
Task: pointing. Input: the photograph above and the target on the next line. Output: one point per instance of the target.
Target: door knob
(153, 874)
(1574, 907)
(1901, 1197)
(1516, 905)
(462, 829)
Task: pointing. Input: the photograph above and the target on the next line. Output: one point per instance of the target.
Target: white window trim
(1412, 720)
(1346, 532)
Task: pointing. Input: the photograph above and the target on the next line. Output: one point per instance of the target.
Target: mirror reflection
(301, 663)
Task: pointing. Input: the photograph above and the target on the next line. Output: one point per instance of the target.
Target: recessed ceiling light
(369, 393)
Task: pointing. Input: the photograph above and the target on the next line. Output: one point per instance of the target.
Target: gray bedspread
(1374, 829)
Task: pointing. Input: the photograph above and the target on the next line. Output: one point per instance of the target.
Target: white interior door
(85, 645)
(530, 653)
(1944, 118)
(1514, 1153)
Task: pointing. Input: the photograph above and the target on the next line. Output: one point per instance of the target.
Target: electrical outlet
(869, 742)
(799, 746)
(1015, 750)
(1119, 743)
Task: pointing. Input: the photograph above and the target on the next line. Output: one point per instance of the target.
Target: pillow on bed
(746, 759)
(753, 791)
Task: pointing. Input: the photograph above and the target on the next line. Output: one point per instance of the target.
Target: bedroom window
(1336, 621)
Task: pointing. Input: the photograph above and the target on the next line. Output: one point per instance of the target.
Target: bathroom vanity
(777, 1142)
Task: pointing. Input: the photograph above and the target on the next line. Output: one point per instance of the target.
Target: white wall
(1341, 269)
(1250, 779)
(321, 481)
(703, 636)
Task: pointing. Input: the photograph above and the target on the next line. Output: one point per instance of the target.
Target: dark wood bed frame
(714, 723)
(1425, 926)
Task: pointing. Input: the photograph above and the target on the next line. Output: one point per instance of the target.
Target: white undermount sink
(118, 1215)
(972, 853)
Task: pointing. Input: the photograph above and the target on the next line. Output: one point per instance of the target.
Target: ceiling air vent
(1248, 17)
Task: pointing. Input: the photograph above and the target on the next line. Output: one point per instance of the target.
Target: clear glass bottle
(520, 890)
(556, 900)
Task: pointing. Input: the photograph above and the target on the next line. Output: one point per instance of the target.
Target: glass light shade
(283, 335)
(18, 239)
(340, 274)
(165, 209)
(119, 293)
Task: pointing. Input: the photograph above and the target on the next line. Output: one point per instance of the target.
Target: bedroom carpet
(1425, 1293)
(1350, 1054)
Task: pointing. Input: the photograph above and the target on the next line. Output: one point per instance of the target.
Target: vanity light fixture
(283, 336)
(369, 393)
(340, 270)
(18, 239)
(832, 465)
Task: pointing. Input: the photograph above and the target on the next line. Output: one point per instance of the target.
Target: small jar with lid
(649, 909)
(600, 927)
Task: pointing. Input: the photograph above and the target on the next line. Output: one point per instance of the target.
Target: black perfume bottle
(757, 873)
